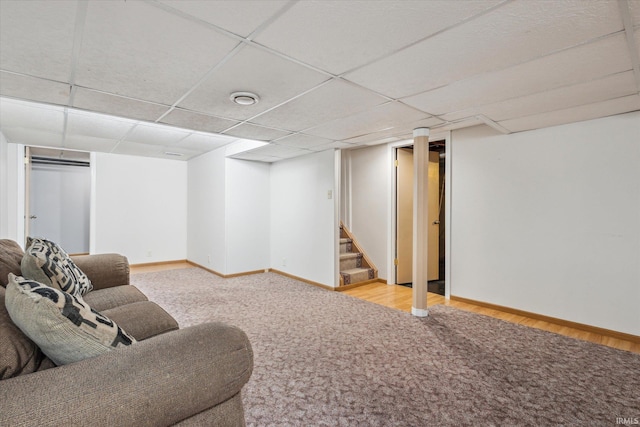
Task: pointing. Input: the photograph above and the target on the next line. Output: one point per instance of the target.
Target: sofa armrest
(104, 270)
(156, 382)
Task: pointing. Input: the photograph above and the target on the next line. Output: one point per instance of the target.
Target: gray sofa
(171, 376)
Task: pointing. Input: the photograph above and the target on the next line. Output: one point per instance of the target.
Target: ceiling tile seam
(271, 20)
(484, 73)
(194, 19)
(301, 94)
(204, 78)
(573, 107)
(17, 73)
(416, 42)
(540, 92)
(493, 124)
(78, 32)
(625, 14)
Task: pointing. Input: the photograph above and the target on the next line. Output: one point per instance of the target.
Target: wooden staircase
(356, 268)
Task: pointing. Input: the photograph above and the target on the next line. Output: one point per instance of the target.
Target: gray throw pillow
(47, 263)
(65, 328)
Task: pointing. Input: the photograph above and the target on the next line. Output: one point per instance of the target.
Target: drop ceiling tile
(155, 134)
(259, 133)
(197, 121)
(255, 157)
(203, 143)
(33, 89)
(333, 146)
(117, 105)
(300, 140)
(584, 112)
(611, 87)
(302, 33)
(515, 33)
(135, 49)
(280, 151)
(238, 17)
(271, 77)
(148, 150)
(634, 8)
(579, 64)
(328, 102)
(380, 118)
(90, 143)
(30, 123)
(82, 123)
(36, 37)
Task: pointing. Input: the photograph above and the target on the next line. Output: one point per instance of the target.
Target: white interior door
(59, 205)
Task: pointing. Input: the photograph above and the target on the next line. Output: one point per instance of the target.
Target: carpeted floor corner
(326, 359)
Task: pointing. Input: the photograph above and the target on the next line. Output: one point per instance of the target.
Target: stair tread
(355, 270)
(349, 255)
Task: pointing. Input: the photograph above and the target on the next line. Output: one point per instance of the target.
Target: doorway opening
(57, 207)
(436, 253)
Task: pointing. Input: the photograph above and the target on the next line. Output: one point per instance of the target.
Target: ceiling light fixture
(172, 153)
(244, 98)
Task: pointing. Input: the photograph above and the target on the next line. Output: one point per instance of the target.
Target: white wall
(11, 191)
(369, 204)
(140, 207)
(247, 216)
(206, 242)
(4, 186)
(303, 219)
(548, 221)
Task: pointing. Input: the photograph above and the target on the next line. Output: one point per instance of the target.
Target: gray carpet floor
(327, 359)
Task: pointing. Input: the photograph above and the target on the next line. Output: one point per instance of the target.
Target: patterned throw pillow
(46, 262)
(65, 328)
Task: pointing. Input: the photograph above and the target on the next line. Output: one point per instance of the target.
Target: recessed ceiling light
(171, 153)
(244, 98)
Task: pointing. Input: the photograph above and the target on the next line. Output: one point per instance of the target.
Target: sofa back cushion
(65, 327)
(18, 354)
(47, 263)
(10, 257)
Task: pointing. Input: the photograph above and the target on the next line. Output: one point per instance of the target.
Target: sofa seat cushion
(105, 299)
(65, 327)
(142, 319)
(47, 263)
(10, 258)
(18, 353)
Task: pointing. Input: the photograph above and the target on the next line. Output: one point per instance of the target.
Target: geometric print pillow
(65, 328)
(46, 262)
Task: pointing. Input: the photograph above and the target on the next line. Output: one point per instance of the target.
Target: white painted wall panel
(247, 216)
(140, 208)
(206, 211)
(370, 202)
(546, 221)
(303, 218)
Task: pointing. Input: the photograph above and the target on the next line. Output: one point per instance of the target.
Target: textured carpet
(326, 359)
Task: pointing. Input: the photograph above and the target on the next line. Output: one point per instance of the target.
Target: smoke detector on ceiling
(244, 98)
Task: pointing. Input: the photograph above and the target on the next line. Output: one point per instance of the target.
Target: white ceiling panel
(90, 143)
(203, 142)
(239, 17)
(272, 78)
(579, 64)
(85, 124)
(575, 114)
(256, 157)
(379, 118)
(137, 149)
(514, 33)
(332, 146)
(36, 37)
(259, 133)
(611, 87)
(31, 115)
(34, 89)
(302, 31)
(134, 49)
(117, 105)
(402, 129)
(155, 134)
(281, 151)
(300, 140)
(634, 7)
(197, 121)
(330, 101)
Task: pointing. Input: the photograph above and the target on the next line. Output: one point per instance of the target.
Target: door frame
(391, 231)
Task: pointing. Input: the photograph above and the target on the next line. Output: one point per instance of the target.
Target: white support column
(420, 221)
